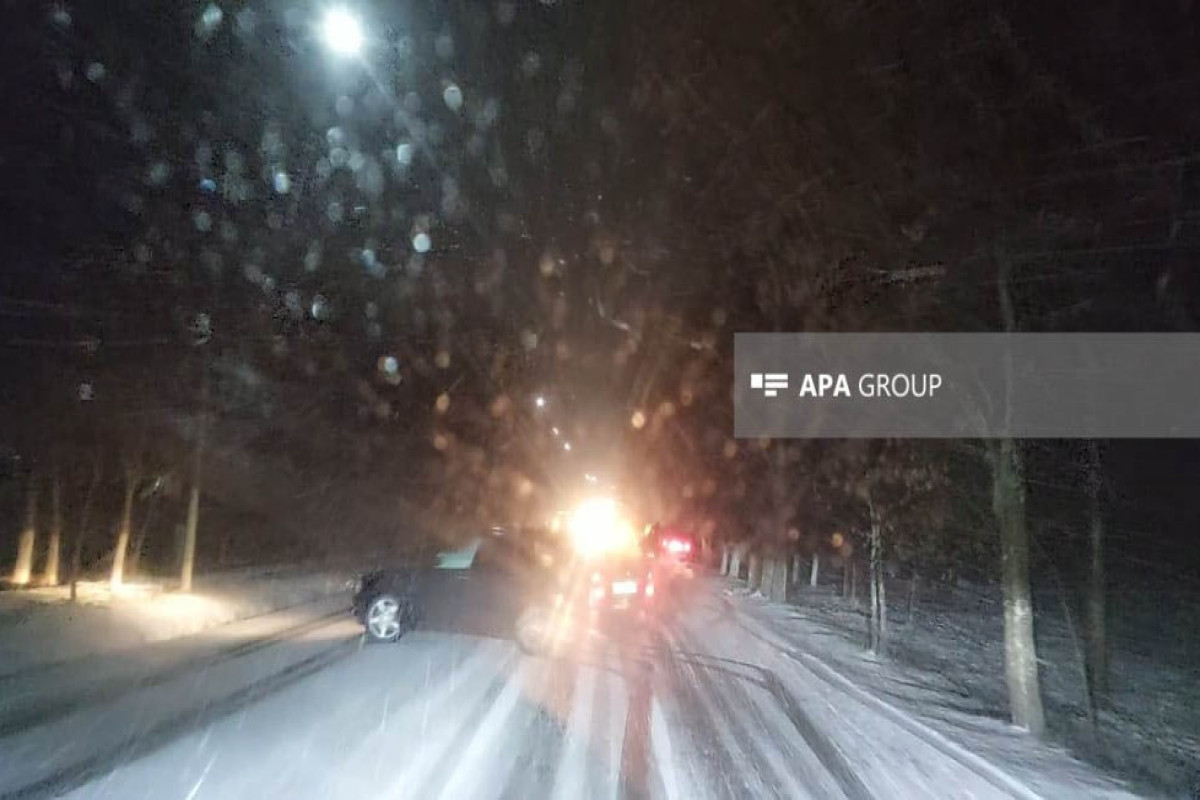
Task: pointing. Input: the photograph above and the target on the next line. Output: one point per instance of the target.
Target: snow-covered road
(694, 707)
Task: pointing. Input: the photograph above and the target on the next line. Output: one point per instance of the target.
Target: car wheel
(386, 618)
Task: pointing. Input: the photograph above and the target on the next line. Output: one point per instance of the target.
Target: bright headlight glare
(597, 527)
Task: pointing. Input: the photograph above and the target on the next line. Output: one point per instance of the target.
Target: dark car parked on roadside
(386, 603)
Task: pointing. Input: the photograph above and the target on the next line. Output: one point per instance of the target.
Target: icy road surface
(692, 706)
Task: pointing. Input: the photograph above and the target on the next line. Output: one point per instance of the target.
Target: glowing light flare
(597, 528)
(342, 32)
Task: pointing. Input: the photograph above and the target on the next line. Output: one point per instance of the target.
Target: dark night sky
(571, 167)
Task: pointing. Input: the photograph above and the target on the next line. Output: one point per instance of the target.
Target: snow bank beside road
(927, 704)
(40, 626)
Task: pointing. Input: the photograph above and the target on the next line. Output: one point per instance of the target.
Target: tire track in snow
(437, 751)
(723, 758)
(484, 762)
(600, 781)
(633, 757)
(571, 775)
(928, 736)
(158, 736)
(662, 754)
(821, 746)
(753, 722)
(75, 699)
(536, 767)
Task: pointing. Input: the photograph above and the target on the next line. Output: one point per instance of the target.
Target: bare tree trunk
(1080, 656)
(878, 595)
(815, 573)
(1020, 649)
(725, 558)
(854, 583)
(226, 545)
(735, 562)
(139, 539)
(23, 569)
(883, 612)
(84, 515)
(54, 546)
(188, 567)
(754, 577)
(794, 574)
(912, 596)
(777, 583)
(872, 630)
(1008, 503)
(123, 531)
(1097, 640)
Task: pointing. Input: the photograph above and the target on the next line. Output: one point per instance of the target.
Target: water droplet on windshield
(159, 173)
(209, 21)
(320, 307)
(531, 65)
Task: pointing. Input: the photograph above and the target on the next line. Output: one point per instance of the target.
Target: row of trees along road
(374, 268)
(929, 167)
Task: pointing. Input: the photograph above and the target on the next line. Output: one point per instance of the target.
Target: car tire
(387, 618)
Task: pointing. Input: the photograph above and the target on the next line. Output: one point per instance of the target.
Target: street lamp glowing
(342, 32)
(540, 401)
(567, 446)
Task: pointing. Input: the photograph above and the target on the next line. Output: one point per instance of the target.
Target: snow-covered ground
(946, 666)
(40, 626)
(716, 700)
